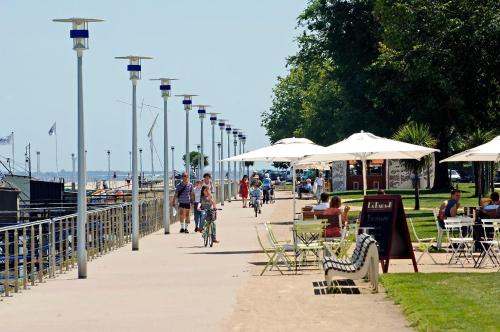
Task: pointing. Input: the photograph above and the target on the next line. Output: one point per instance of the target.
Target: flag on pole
(6, 140)
(52, 130)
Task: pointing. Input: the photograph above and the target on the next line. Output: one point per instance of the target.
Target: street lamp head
(228, 129)
(202, 110)
(79, 31)
(172, 148)
(198, 146)
(165, 85)
(235, 132)
(218, 144)
(140, 150)
(222, 123)
(187, 101)
(240, 135)
(213, 118)
(108, 152)
(134, 66)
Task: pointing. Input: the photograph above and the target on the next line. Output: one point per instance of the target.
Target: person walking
(318, 183)
(184, 194)
(266, 187)
(207, 202)
(207, 181)
(196, 212)
(244, 189)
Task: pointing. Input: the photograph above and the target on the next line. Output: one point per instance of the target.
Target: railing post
(66, 243)
(6, 264)
(25, 257)
(40, 253)
(52, 258)
(32, 255)
(16, 261)
(73, 237)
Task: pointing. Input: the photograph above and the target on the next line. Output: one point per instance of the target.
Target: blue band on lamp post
(228, 129)
(213, 118)
(187, 102)
(165, 87)
(134, 67)
(79, 33)
(221, 124)
(202, 111)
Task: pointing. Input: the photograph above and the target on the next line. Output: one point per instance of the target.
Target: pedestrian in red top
(244, 188)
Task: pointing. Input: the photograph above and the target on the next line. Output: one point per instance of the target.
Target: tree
(281, 165)
(194, 160)
(418, 134)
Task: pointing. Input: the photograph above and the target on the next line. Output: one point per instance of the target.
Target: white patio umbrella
(366, 146)
(486, 152)
(285, 150)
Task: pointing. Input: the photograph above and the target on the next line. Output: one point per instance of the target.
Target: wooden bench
(363, 263)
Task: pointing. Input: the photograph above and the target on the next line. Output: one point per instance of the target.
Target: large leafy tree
(378, 64)
(194, 162)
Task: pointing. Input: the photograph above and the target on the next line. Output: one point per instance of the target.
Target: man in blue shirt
(266, 187)
(449, 208)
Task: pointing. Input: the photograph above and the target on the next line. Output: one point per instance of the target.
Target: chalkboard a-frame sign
(386, 215)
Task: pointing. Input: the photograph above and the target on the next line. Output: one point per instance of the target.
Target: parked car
(454, 175)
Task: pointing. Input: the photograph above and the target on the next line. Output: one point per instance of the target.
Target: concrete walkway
(175, 284)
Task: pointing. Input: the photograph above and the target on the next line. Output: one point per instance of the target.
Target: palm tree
(418, 134)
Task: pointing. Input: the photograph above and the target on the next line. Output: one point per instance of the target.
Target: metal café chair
(461, 243)
(490, 242)
(426, 243)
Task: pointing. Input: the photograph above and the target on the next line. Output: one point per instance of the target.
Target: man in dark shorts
(185, 195)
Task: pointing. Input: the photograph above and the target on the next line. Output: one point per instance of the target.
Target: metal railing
(31, 252)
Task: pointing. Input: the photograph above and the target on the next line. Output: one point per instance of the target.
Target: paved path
(172, 283)
(175, 284)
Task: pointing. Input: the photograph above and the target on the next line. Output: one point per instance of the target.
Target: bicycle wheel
(210, 236)
(205, 234)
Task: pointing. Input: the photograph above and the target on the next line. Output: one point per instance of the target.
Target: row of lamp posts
(79, 33)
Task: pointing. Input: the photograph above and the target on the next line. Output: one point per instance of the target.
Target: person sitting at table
(494, 201)
(323, 205)
(335, 215)
(449, 208)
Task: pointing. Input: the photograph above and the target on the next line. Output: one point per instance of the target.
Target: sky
(230, 53)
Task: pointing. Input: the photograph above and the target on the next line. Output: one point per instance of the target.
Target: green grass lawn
(423, 219)
(447, 301)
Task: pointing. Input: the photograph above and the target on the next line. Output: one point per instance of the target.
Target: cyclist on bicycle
(255, 195)
(206, 203)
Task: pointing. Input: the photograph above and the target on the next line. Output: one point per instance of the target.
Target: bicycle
(210, 217)
(256, 203)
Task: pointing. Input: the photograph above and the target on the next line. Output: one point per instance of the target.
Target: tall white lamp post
(165, 88)
(222, 125)
(173, 168)
(134, 68)
(235, 144)
(202, 112)
(187, 101)
(221, 192)
(109, 168)
(198, 148)
(229, 186)
(240, 138)
(213, 122)
(79, 33)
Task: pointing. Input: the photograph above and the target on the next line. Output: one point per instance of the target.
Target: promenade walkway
(175, 284)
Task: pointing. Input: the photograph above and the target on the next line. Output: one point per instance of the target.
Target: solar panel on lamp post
(202, 111)
(134, 68)
(79, 33)
(222, 125)
(235, 143)
(187, 101)
(229, 186)
(165, 88)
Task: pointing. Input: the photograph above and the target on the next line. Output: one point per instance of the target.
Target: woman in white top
(318, 183)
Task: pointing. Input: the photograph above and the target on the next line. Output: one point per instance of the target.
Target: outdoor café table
(306, 235)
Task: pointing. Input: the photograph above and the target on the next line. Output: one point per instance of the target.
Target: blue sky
(228, 52)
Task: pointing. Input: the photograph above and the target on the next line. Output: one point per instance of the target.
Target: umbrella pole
(365, 185)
